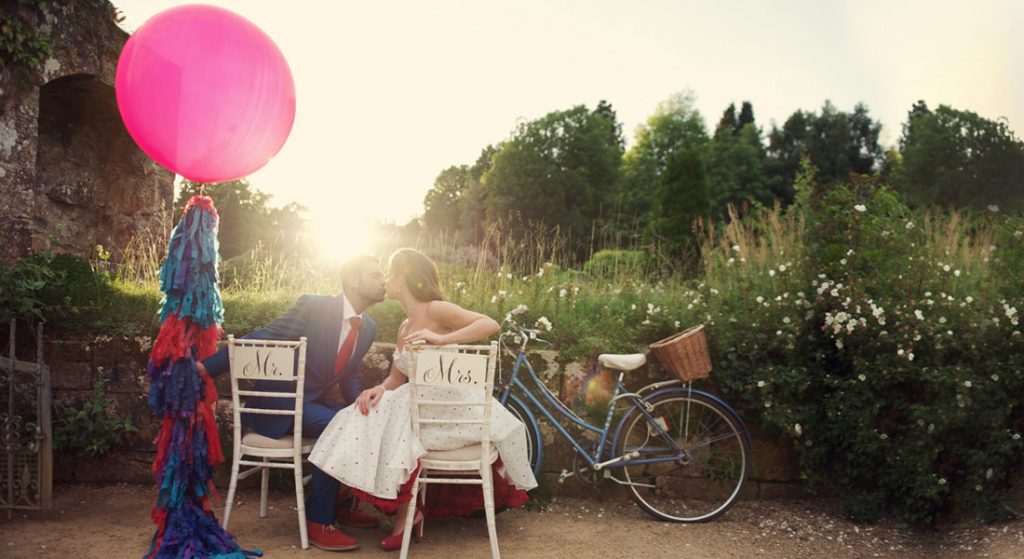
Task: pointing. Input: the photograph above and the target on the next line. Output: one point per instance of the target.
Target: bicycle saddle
(622, 362)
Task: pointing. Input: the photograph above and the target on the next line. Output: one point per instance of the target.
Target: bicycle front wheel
(703, 480)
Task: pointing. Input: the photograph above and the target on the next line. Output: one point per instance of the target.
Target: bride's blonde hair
(418, 272)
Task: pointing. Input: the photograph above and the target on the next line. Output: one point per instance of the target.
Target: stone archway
(94, 185)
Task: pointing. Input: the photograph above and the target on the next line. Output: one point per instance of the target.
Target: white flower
(910, 356)
(797, 429)
(956, 273)
(969, 299)
(946, 268)
(785, 320)
(782, 267)
(540, 273)
(899, 352)
(995, 378)
(508, 275)
(502, 293)
(759, 299)
(736, 248)
(919, 314)
(562, 293)
(942, 320)
(843, 262)
(778, 332)
(860, 208)
(978, 487)
(862, 377)
(988, 473)
(910, 225)
(993, 208)
(771, 273)
(731, 260)
(677, 324)
(631, 307)
(883, 436)
(1016, 436)
(494, 298)
(544, 323)
(760, 384)
(967, 383)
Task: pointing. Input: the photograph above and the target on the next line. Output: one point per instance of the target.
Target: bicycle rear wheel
(706, 479)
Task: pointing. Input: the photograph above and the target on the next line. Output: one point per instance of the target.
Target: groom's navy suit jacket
(318, 318)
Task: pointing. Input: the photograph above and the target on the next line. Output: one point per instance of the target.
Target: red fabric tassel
(162, 442)
(209, 422)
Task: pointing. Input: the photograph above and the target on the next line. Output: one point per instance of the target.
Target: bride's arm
(464, 326)
(368, 398)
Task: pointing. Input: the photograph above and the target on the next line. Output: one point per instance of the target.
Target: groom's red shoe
(352, 517)
(329, 537)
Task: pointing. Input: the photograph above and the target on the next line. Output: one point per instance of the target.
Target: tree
(958, 158)
(245, 219)
(836, 142)
(681, 198)
(735, 163)
(675, 125)
(441, 204)
(558, 170)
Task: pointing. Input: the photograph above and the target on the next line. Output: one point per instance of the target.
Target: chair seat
(257, 440)
(464, 454)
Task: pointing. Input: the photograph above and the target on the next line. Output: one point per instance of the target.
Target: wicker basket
(685, 354)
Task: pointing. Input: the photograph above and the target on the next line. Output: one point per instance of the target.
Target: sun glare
(337, 239)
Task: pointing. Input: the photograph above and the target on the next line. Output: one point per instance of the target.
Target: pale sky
(389, 93)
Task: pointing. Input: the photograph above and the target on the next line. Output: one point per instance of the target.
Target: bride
(370, 446)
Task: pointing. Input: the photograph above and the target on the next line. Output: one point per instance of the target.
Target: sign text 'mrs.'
(450, 368)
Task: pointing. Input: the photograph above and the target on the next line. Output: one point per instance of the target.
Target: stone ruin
(71, 177)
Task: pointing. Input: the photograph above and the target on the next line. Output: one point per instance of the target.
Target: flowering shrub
(885, 341)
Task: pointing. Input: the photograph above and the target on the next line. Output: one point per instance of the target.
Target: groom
(338, 334)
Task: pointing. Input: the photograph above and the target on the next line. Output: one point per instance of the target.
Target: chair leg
(264, 488)
(232, 485)
(300, 503)
(410, 515)
(488, 488)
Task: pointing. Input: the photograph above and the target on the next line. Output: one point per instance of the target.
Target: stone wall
(71, 177)
(121, 363)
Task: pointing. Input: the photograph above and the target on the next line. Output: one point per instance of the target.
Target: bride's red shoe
(394, 541)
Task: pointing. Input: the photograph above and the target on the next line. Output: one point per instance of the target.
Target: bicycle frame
(552, 402)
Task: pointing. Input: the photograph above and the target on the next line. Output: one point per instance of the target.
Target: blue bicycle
(682, 453)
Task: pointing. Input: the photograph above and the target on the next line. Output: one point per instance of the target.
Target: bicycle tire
(535, 445)
(704, 484)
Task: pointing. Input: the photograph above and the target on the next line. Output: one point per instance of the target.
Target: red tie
(345, 353)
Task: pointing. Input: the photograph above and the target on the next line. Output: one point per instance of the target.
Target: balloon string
(202, 189)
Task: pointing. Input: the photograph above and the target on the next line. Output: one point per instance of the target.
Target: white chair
(470, 367)
(275, 361)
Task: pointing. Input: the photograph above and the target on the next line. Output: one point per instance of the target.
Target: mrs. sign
(449, 368)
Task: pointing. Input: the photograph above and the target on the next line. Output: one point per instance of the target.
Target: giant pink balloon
(205, 93)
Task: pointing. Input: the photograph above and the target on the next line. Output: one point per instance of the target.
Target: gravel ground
(113, 522)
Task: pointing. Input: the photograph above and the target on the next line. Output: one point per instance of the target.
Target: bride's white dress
(377, 453)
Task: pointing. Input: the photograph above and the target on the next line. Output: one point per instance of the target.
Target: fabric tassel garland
(188, 445)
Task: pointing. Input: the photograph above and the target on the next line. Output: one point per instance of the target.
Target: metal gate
(26, 444)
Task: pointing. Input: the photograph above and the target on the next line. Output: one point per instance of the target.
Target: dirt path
(113, 522)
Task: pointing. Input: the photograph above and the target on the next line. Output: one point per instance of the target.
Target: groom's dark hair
(353, 267)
